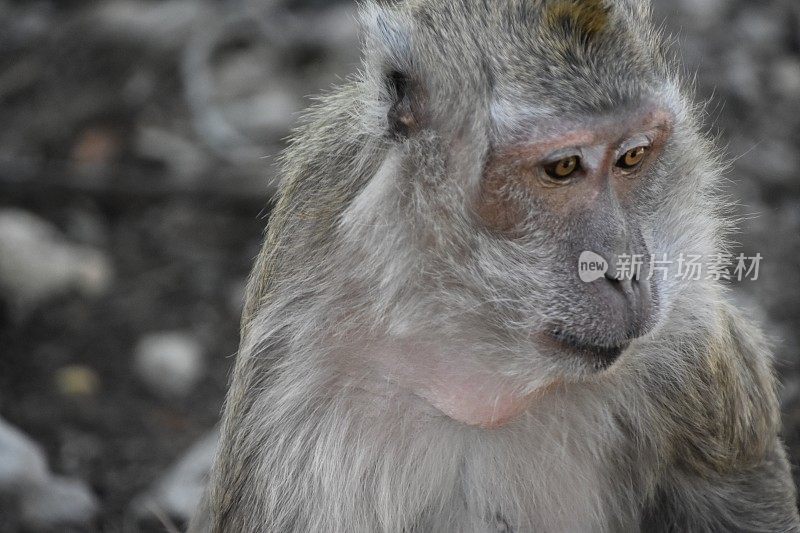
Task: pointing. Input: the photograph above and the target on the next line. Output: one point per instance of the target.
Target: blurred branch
(21, 181)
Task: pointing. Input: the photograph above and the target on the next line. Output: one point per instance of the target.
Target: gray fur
(372, 249)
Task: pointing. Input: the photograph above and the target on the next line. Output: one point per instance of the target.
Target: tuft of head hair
(584, 18)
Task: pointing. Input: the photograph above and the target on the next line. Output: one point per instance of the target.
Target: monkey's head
(514, 136)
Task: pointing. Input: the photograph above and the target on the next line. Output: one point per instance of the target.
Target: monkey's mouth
(599, 356)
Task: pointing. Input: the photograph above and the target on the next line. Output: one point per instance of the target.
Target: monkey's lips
(599, 356)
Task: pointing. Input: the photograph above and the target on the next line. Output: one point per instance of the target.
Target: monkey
(418, 350)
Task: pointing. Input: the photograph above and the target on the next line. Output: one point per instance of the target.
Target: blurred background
(137, 146)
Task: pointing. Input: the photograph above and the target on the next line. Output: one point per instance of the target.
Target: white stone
(271, 112)
(45, 501)
(22, 461)
(178, 494)
(37, 262)
(186, 162)
(169, 363)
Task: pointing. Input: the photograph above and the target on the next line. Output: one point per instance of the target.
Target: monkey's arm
(727, 468)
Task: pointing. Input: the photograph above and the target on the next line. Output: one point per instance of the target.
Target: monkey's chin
(587, 357)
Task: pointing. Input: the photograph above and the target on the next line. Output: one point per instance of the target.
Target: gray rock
(178, 494)
(37, 262)
(185, 161)
(169, 363)
(786, 78)
(269, 113)
(45, 501)
(58, 502)
(703, 14)
(22, 461)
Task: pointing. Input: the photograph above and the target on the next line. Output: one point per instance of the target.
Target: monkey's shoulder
(724, 465)
(321, 170)
(722, 410)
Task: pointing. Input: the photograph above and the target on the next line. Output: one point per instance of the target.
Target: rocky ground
(135, 172)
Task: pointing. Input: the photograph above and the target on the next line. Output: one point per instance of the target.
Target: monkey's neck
(327, 453)
(475, 396)
(476, 400)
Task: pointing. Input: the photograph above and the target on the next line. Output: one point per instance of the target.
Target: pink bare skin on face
(598, 147)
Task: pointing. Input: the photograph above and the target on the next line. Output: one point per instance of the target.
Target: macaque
(419, 352)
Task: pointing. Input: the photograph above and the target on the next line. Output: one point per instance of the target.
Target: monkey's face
(523, 139)
(587, 186)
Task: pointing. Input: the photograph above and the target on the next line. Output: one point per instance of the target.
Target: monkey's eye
(633, 157)
(563, 169)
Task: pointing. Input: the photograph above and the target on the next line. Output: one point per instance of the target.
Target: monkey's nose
(635, 288)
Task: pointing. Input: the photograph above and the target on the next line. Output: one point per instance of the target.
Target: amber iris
(563, 169)
(633, 158)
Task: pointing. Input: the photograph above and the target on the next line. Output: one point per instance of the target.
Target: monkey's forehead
(515, 127)
(565, 55)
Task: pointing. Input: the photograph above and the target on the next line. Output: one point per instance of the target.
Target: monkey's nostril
(631, 300)
(623, 286)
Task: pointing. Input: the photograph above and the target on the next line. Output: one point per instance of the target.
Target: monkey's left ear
(389, 62)
(401, 116)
